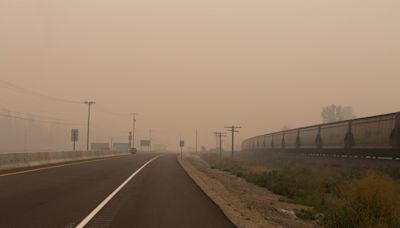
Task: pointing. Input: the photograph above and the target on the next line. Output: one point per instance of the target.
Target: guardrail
(22, 160)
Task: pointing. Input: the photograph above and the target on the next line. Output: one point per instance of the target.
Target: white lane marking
(104, 203)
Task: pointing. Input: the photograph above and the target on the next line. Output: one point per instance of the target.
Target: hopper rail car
(369, 137)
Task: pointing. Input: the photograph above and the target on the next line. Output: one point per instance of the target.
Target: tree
(333, 113)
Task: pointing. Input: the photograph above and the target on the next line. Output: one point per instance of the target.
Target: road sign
(145, 142)
(74, 135)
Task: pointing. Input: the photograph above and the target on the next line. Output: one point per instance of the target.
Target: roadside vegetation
(340, 198)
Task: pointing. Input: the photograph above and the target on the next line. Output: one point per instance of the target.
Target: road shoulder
(245, 204)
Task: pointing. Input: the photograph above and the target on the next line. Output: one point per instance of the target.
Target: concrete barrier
(23, 160)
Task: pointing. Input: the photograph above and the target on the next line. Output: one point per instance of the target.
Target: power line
(106, 111)
(36, 115)
(37, 94)
(36, 120)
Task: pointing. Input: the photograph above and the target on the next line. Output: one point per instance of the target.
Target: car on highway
(132, 150)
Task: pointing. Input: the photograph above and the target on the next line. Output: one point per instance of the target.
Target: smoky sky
(186, 65)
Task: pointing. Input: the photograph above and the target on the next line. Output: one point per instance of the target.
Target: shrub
(371, 200)
(348, 198)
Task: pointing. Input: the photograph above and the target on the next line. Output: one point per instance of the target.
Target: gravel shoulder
(245, 204)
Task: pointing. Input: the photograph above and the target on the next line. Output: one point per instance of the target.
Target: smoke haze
(188, 64)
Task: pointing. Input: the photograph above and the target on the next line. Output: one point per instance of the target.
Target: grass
(340, 198)
(371, 200)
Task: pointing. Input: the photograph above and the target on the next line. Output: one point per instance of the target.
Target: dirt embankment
(245, 204)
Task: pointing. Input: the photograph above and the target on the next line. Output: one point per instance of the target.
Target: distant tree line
(333, 113)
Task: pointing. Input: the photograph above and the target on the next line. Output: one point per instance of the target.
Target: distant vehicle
(132, 150)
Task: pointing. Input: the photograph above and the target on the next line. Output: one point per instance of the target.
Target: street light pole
(89, 103)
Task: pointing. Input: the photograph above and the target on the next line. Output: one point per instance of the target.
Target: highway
(142, 190)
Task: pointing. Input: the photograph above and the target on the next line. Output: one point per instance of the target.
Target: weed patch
(353, 198)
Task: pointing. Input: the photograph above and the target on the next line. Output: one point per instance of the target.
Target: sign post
(74, 136)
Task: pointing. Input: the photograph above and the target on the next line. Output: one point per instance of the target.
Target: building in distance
(121, 146)
(100, 146)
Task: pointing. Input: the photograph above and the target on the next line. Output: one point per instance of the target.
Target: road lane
(63, 196)
(162, 195)
(110, 197)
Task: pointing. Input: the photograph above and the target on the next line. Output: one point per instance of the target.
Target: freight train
(373, 137)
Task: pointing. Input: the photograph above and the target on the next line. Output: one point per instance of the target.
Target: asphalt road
(160, 195)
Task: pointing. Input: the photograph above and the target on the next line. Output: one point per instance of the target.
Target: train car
(244, 146)
(260, 142)
(308, 138)
(333, 138)
(247, 145)
(373, 132)
(376, 136)
(277, 139)
(395, 135)
(252, 144)
(291, 139)
(372, 135)
(268, 141)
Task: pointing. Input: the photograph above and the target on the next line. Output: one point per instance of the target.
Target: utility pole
(181, 145)
(89, 103)
(133, 130)
(26, 136)
(216, 141)
(111, 144)
(150, 140)
(130, 139)
(196, 139)
(237, 142)
(232, 129)
(219, 136)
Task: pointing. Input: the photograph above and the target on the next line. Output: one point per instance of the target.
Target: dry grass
(342, 196)
(372, 200)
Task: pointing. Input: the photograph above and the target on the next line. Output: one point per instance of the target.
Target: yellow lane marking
(54, 166)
